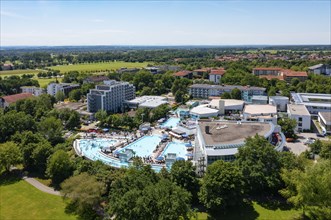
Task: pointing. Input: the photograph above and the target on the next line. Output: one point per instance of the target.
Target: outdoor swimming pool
(144, 146)
(91, 148)
(170, 123)
(177, 148)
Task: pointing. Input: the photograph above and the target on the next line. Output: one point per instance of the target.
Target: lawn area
(18, 72)
(256, 211)
(20, 200)
(105, 66)
(43, 82)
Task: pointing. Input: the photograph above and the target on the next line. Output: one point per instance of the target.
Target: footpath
(41, 186)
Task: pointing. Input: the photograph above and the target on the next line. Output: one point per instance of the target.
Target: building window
(300, 119)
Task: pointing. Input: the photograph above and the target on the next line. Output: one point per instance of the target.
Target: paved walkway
(41, 186)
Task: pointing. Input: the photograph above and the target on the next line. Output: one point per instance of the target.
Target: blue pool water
(144, 146)
(92, 150)
(170, 123)
(176, 147)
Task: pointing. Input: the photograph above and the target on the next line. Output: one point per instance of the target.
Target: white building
(230, 105)
(324, 119)
(203, 111)
(301, 115)
(54, 88)
(146, 102)
(260, 99)
(110, 96)
(36, 91)
(320, 69)
(215, 75)
(314, 102)
(261, 113)
(206, 90)
(220, 140)
(280, 102)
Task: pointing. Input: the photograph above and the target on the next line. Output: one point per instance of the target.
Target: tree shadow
(245, 211)
(274, 202)
(7, 178)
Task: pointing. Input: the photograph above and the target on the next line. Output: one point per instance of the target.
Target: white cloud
(97, 20)
(12, 15)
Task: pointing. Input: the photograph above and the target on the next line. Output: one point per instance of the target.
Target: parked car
(309, 141)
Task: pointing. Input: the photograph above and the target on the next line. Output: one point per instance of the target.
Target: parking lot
(298, 146)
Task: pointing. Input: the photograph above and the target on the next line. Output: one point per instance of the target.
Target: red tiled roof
(269, 77)
(268, 68)
(182, 73)
(292, 73)
(14, 98)
(220, 71)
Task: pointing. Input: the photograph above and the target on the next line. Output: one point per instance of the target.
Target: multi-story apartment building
(36, 91)
(301, 115)
(279, 73)
(110, 96)
(314, 102)
(215, 75)
(206, 90)
(267, 71)
(54, 88)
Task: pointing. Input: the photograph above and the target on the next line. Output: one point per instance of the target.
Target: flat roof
(312, 99)
(232, 133)
(260, 97)
(260, 109)
(227, 102)
(326, 117)
(149, 101)
(297, 109)
(226, 87)
(279, 97)
(203, 109)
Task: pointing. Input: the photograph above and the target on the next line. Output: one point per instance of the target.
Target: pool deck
(127, 140)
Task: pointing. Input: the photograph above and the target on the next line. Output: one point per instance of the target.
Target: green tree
(316, 146)
(179, 96)
(60, 96)
(40, 154)
(13, 122)
(183, 174)
(236, 94)
(226, 95)
(51, 128)
(310, 190)
(10, 155)
(260, 165)
(75, 95)
(85, 194)
(288, 125)
(139, 194)
(101, 116)
(326, 150)
(272, 91)
(222, 186)
(59, 167)
(73, 121)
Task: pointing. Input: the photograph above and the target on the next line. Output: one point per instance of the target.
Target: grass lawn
(43, 82)
(97, 66)
(20, 200)
(18, 72)
(256, 211)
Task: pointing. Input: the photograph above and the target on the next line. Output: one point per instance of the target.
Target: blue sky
(164, 22)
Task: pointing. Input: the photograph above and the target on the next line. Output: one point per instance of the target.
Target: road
(298, 147)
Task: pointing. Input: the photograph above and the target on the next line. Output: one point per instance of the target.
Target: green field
(18, 72)
(105, 66)
(20, 200)
(256, 211)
